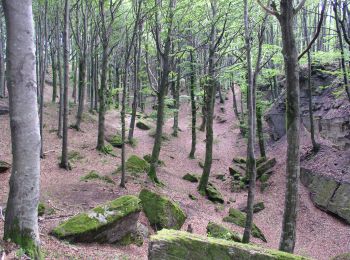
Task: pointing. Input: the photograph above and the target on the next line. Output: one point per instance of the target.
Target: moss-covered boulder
(94, 175)
(116, 141)
(161, 211)
(219, 231)
(148, 158)
(4, 166)
(172, 245)
(236, 171)
(111, 222)
(265, 166)
(136, 165)
(259, 206)
(213, 194)
(143, 125)
(239, 160)
(238, 218)
(190, 177)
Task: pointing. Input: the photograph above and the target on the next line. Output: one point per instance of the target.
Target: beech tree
(21, 219)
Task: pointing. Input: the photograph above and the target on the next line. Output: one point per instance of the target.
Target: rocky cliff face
(330, 106)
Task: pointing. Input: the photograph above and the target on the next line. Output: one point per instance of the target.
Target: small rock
(4, 166)
(190, 177)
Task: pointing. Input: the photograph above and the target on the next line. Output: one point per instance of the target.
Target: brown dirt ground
(319, 235)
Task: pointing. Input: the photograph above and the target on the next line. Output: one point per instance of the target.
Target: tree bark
(21, 220)
(193, 106)
(64, 157)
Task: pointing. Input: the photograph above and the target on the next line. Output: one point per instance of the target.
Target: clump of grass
(93, 175)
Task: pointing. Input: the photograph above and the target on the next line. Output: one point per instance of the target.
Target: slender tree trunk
(54, 75)
(81, 88)
(235, 108)
(193, 106)
(312, 128)
(64, 157)
(74, 71)
(341, 46)
(176, 96)
(42, 80)
(260, 132)
(102, 95)
(60, 109)
(21, 220)
(2, 63)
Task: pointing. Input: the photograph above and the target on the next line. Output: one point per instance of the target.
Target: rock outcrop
(328, 193)
(330, 106)
(115, 221)
(161, 211)
(171, 245)
(219, 231)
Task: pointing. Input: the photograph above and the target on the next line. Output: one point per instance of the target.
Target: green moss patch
(191, 177)
(171, 244)
(219, 231)
(86, 226)
(161, 211)
(93, 175)
(136, 165)
(41, 209)
(238, 218)
(143, 124)
(148, 158)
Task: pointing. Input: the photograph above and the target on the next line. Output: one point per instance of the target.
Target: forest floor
(319, 235)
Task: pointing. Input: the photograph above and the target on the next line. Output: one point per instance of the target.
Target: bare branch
(268, 10)
(297, 9)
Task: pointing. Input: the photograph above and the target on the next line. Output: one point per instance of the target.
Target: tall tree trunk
(176, 97)
(341, 46)
(42, 79)
(251, 164)
(311, 116)
(54, 75)
(60, 109)
(235, 107)
(21, 220)
(259, 123)
(81, 89)
(102, 96)
(64, 157)
(288, 236)
(193, 105)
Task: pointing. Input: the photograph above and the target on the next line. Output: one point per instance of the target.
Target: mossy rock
(4, 166)
(265, 177)
(172, 245)
(165, 136)
(239, 218)
(161, 211)
(143, 125)
(93, 175)
(136, 165)
(41, 209)
(239, 160)
(265, 167)
(259, 206)
(213, 194)
(201, 164)
(109, 223)
(260, 161)
(234, 170)
(116, 141)
(190, 177)
(219, 231)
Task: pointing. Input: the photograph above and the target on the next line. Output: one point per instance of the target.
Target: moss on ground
(41, 209)
(93, 175)
(161, 211)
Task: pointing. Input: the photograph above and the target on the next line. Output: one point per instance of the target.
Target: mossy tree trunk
(21, 220)
(260, 132)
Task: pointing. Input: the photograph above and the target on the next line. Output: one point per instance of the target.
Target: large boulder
(4, 166)
(172, 245)
(328, 194)
(219, 231)
(161, 211)
(143, 125)
(114, 221)
(239, 218)
(265, 167)
(213, 194)
(136, 165)
(190, 177)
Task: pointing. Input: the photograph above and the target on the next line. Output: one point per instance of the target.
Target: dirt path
(319, 235)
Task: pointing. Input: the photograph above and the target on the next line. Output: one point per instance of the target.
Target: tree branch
(268, 10)
(297, 9)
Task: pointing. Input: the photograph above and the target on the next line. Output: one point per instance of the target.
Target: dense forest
(175, 129)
